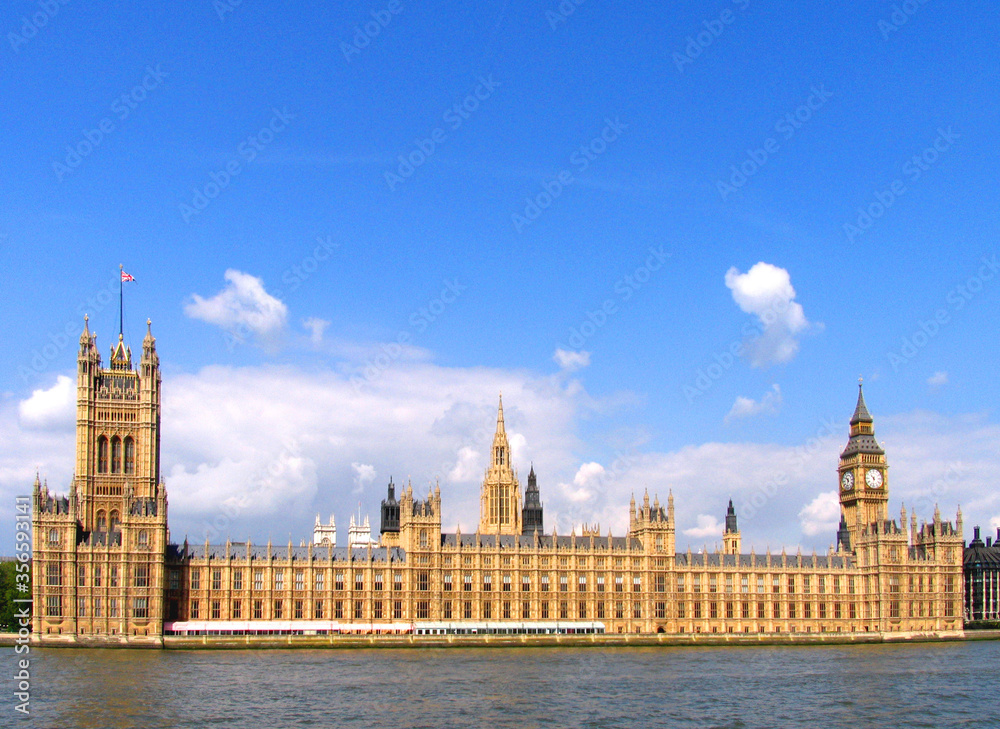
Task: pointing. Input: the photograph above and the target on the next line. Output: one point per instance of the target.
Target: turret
(531, 514)
(325, 533)
(419, 521)
(844, 536)
(653, 526)
(390, 511)
(731, 541)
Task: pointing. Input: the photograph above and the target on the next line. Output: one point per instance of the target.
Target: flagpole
(121, 294)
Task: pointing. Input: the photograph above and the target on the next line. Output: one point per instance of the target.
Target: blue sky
(291, 185)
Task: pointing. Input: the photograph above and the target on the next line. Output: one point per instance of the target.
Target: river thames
(926, 685)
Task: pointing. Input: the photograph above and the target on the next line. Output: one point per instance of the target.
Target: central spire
(500, 511)
(501, 448)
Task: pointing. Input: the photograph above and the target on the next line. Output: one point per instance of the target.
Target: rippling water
(930, 685)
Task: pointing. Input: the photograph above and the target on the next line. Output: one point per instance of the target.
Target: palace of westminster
(105, 570)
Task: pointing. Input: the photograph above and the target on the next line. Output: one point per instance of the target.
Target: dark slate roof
(861, 414)
(545, 541)
(862, 443)
(759, 561)
(238, 551)
(947, 529)
(982, 557)
(977, 554)
(52, 505)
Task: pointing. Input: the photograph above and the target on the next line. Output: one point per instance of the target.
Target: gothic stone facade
(106, 572)
(100, 552)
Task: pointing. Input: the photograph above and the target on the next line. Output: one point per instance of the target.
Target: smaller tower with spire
(390, 517)
(325, 533)
(731, 542)
(359, 533)
(531, 514)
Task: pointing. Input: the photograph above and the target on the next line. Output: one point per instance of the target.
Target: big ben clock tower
(863, 472)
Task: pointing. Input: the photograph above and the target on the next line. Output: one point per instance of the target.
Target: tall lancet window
(129, 455)
(116, 455)
(102, 455)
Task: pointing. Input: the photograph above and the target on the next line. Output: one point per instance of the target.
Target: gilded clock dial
(847, 481)
(873, 478)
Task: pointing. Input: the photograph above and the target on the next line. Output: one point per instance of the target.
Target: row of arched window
(102, 521)
(110, 455)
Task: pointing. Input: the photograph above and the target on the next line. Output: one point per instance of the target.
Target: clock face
(874, 479)
(847, 482)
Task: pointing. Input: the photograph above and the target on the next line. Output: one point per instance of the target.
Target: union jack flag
(127, 276)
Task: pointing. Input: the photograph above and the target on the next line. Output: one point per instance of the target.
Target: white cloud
(264, 471)
(418, 422)
(518, 447)
(708, 526)
(316, 327)
(766, 292)
(217, 498)
(938, 379)
(467, 465)
(821, 515)
(242, 307)
(52, 408)
(744, 407)
(364, 474)
(571, 360)
(587, 477)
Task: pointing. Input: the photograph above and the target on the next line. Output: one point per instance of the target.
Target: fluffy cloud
(938, 379)
(744, 407)
(587, 477)
(417, 423)
(264, 471)
(364, 474)
(708, 527)
(52, 408)
(315, 327)
(242, 307)
(468, 463)
(571, 360)
(518, 447)
(766, 292)
(821, 515)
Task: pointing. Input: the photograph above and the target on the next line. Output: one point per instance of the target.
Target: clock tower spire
(863, 472)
